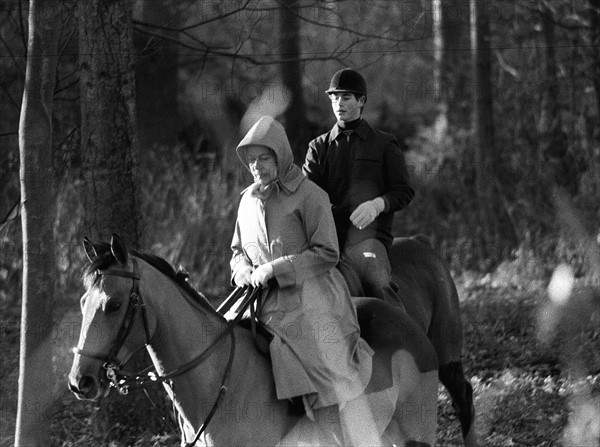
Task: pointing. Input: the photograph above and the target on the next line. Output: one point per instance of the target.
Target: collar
(362, 131)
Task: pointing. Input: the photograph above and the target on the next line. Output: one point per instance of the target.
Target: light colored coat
(317, 350)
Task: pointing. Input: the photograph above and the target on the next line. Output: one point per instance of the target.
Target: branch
(66, 87)
(9, 95)
(167, 37)
(185, 29)
(13, 213)
(21, 21)
(12, 56)
(338, 27)
(236, 54)
(505, 66)
(195, 25)
(68, 136)
(570, 22)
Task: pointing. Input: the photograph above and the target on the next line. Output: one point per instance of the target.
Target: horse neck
(183, 331)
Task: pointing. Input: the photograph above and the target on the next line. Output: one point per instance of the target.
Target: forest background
(495, 104)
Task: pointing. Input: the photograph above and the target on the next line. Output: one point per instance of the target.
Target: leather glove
(262, 275)
(366, 212)
(243, 276)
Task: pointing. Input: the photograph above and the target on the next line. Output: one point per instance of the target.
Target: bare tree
(156, 78)
(291, 73)
(594, 7)
(110, 159)
(553, 142)
(451, 33)
(497, 232)
(37, 217)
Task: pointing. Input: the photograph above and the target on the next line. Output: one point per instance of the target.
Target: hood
(269, 133)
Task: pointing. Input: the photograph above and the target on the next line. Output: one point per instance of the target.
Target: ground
(526, 393)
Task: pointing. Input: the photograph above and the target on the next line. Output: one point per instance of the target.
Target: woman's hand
(262, 275)
(243, 276)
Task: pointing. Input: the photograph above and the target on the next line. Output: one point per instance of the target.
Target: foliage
(190, 213)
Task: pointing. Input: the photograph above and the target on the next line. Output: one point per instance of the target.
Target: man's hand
(243, 276)
(262, 275)
(366, 212)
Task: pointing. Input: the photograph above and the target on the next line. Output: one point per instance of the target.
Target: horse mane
(105, 259)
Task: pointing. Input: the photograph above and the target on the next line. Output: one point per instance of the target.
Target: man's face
(345, 106)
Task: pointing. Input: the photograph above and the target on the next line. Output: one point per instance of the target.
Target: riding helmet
(348, 80)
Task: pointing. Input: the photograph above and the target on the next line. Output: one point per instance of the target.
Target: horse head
(115, 321)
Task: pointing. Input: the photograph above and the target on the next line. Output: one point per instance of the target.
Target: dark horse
(428, 293)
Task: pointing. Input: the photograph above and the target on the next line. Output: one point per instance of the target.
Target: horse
(221, 384)
(428, 293)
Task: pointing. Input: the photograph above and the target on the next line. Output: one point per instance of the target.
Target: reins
(135, 381)
(124, 381)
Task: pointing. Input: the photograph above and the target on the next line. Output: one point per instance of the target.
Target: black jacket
(371, 166)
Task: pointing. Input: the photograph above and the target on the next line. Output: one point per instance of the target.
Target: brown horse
(212, 370)
(428, 293)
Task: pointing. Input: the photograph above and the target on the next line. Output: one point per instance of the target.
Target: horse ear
(90, 250)
(118, 249)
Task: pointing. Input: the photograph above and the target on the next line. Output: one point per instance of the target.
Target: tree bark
(451, 31)
(594, 7)
(497, 234)
(553, 142)
(156, 79)
(483, 114)
(38, 213)
(108, 121)
(291, 73)
(110, 166)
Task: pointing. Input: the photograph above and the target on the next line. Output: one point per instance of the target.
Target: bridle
(123, 381)
(135, 302)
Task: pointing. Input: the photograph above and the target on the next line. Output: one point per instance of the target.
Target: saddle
(384, 327)
(262, 335)
(353, 281)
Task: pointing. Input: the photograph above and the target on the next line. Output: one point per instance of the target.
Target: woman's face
(262, 163)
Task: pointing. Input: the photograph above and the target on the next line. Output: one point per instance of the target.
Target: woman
(285, 241)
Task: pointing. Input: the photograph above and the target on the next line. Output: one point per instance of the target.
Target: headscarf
(269, 133)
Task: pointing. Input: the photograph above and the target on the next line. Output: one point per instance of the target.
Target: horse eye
(112, 306)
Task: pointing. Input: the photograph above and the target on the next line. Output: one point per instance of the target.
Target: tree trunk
(553, 142)
(291, 73)
(110, 166)
(451, 31)
(37, 216)
(594, 7)
(108, 121)
(483, 115)
(497, 234)
(156, 79)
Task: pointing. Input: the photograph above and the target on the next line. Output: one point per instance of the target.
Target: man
(364, 172)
